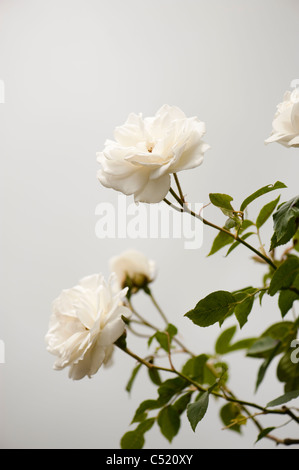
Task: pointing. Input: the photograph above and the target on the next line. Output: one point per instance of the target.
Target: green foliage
(288, 373)
(283, 399)
(287, 299)
(178, 394)
(144, 407)
(165, 337)
(154, 374)
(264, 433)
(169, 422)
(238, 243)
(197, 410)
(216, 307)
(181, 403)
(169, 388)
(244, 303)
(132, 378)
(195, 368)
(230, 413)
(135, 439)
(284, 276)
(262, 347)
(223, 202)
(223, 239)
(296, 241)
(261, 192)
(212, 309)
(223, 344)
(266, 212)
(266, 363)
(286, 222)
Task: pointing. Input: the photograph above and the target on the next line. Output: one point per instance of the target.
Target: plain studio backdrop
(73, 70)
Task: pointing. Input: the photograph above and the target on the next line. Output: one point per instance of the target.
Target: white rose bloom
(286, 121)
(147, 150)
(135, 265)
(85, 322)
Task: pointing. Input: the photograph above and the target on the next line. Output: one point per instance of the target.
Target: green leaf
(145, 406)
(223, 201)
(135, 439)
(288, 373)
(284, 276)
(169, 422)
(266, 212)
(230, 223)
(222, 240)
(132, 378)
(132, 440)
(244, 307)
(261, 192)
(286, 301)
(224, 346)
(245, 225)
(237, 243)
(262, 346)
(242, 344)
(296, 241)
(163, 340)
(228, 413)
(265, 365)
(169, 388)
(195, 368)
(181, 404)
(221, 304)
(171, 330)
(154, 376)
(197, 410)
(286, 221)
(146, 425)
(165, 337)
(261, 296)
(264, 433)
(283, 332)
(212, 309)
(283, 399)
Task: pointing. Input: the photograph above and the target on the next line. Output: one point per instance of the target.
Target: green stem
(149, 365)
(221, 229)
(157, 306)
(232, 398)
(179, 187)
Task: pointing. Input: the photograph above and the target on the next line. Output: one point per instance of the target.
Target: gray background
(74, 70)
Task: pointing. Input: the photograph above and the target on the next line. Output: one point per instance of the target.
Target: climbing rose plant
(93, 318)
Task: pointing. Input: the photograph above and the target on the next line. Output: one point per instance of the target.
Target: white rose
(85, 322)
(146, 151)
(286, 121)
(134, 265)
